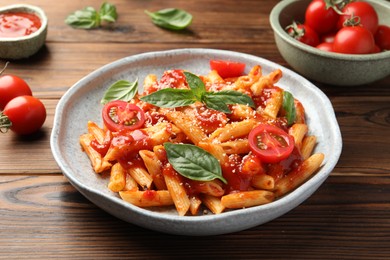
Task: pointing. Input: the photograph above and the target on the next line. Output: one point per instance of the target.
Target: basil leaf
(170, 98)
(234, 97)
(289, 107)
(108, 12)
(87, 18)
(193, 162)
(171, 18)
(196, 84)
(215, 102)
(120, 90)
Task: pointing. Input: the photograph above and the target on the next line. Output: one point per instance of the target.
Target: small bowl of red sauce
(23, 30)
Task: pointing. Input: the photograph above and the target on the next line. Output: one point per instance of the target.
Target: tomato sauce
(232, 173)
(209, 119)
(18, 24)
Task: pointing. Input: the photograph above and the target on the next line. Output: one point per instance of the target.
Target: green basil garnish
(120, 90)
(193, 162)
(196, 84)
(89, 18)
(171, 18)
(289, 107)
(171, 98)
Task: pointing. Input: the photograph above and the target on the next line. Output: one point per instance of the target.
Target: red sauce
(18, 24)
(232, 173)
(173, 79)
(210, 119)
(100, 148)
(280, 169)
(130, 143)
(150, 195)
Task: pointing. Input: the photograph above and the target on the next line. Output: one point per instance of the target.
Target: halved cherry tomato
(227, 69)
(120, 115)
(270, 143)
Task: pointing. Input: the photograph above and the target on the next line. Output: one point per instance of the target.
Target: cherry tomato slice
(120, 115)
(270, 143)
(227, 69)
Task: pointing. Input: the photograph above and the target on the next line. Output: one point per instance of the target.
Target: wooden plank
(345, 219)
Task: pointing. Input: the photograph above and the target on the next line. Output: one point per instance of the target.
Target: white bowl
(82, 103)
(322, 66)
(24, 46)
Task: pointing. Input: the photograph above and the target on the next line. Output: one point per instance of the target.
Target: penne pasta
(263, 182)
(154, 166)
(148, 198)
(234, 130)
(247, 199)
(298, 131)
(213, 203)
(308, 145)
(299, 175)
(117, 178)
(177, 191)
(99, 164)
(141, 176)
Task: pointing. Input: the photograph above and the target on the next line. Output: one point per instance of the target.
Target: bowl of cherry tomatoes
(347, 44)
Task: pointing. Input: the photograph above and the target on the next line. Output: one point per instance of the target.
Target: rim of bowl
(277, 28)
(32, 9)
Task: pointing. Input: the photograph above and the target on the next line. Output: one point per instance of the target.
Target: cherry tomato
(23, 115)
(120, 115)
(325, 46)
(227, 69)
(10, 87)
(320, 18)
(328, 37)
(382, 37)
(354, 40)
(367, 14)
(270, 143)
(303, 33)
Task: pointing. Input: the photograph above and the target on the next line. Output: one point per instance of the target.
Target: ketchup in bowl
(18, 24)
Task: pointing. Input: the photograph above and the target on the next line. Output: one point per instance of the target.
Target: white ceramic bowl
(25, 46)
(82, 103)
(328, 67)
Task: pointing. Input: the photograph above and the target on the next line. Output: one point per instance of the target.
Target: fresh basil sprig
(171, 98)
(120, 90)
(171, 18)
(289, 107)
(89, 18)
(193, 162)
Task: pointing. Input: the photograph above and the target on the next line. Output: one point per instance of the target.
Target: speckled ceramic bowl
(81, 103)
(24, 47)
(328, 67)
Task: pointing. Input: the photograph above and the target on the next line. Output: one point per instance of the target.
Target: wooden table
(43, 217)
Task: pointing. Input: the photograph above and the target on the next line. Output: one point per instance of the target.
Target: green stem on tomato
(5, 123)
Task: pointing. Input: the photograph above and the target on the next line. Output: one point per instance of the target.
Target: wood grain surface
(43, 217)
